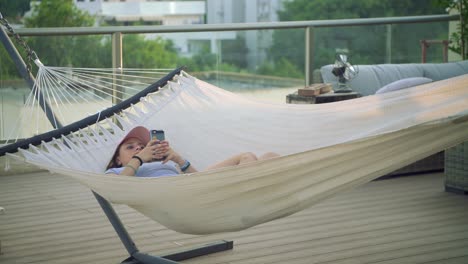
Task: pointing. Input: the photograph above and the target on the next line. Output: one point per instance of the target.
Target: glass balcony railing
(262, 60)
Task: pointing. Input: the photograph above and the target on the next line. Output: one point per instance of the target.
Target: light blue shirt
(153, 169)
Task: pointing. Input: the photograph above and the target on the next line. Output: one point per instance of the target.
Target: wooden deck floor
(53, 219)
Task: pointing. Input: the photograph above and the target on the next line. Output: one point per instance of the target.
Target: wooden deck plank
(300, 235)
(337, 227)
(440, 255)
(271, 250)
(53, 219)
(458, 257)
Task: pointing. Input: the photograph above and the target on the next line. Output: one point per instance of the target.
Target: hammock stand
(136, 257)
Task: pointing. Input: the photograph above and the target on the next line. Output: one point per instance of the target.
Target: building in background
(128, 12)
(247, 11)
(147, 12)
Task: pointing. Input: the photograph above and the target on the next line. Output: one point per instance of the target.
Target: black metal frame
(27, 76)
(136, 257)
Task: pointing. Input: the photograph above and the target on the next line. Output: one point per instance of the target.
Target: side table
(295, 98)
(335, 97)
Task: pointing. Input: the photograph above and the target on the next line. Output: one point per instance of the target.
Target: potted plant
(459, 38)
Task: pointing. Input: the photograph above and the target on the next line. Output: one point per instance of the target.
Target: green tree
(459, 38)
(202, 61)
(91, 51)
(58, 13)
(234, 52)
(75, 51)
(366, 44)
(14, 10)
(281, 68)
(139, 52)
(7, 67)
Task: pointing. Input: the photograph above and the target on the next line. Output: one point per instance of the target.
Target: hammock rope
(325, 149)
(59, 90)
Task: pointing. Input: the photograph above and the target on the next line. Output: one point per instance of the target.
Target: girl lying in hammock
(136, 155)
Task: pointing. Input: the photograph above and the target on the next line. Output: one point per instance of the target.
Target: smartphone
(157, 134)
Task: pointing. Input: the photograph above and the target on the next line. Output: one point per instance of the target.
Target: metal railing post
(388, 44)
(117, 64)
(309, 55)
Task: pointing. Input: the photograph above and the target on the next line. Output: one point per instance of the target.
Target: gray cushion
(372, 77)
(402, 84)
(442, 71)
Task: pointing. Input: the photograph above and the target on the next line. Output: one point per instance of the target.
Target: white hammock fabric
(325, 149)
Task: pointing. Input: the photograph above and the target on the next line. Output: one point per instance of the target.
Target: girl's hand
(166, 153)
(161, 148)
(174, 156)
(148, 153)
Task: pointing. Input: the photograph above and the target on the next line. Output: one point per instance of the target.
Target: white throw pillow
(402, 84)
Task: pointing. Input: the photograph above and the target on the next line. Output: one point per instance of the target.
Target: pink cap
(139, 132)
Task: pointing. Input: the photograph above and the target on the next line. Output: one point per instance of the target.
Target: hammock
(325, 149)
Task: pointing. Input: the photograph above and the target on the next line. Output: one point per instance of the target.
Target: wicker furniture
(456, 169)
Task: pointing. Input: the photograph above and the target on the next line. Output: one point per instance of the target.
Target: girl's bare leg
(268, 155)
(242, 158)
(235, 160)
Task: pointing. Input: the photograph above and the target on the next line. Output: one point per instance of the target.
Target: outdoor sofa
(372, 78)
